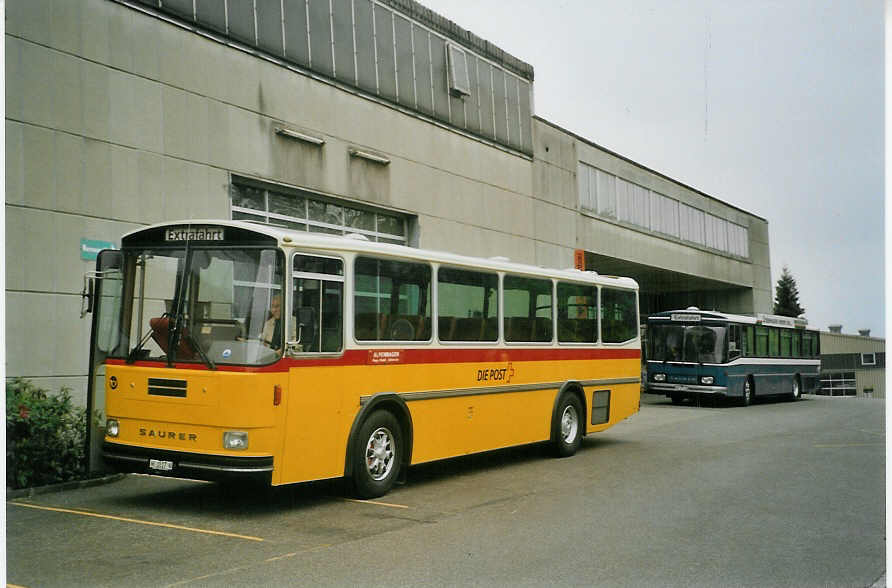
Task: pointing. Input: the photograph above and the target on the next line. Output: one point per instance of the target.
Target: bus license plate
(162, 465)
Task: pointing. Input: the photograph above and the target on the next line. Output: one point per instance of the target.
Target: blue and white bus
(693, 352)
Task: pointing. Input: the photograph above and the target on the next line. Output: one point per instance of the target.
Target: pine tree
(786, 296)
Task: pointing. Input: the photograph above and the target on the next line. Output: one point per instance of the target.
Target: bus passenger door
(102, 297)
(314, 444)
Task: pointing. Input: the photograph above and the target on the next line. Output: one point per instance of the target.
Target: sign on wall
(90, 248)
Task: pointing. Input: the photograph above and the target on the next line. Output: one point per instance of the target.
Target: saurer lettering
(159, 434)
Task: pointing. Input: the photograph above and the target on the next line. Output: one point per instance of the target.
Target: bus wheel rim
(569, 424)
(795, 388)
(380, 453)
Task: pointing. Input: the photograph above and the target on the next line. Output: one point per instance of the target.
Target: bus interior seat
(422, 328)
(370, 326)
(446, 325)
(161, 332)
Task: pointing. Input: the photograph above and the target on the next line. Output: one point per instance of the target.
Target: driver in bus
(272, 328)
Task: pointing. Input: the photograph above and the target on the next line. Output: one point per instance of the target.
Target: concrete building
(852, 365)
(371, 116)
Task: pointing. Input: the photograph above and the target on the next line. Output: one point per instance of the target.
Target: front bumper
(196, 466)
(669, 389)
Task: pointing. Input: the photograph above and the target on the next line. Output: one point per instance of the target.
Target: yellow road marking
(377, 503)
(835, 445)
(137, 521)
(14, 586)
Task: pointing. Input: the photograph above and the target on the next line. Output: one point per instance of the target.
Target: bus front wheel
(567, 428)
(377, 455)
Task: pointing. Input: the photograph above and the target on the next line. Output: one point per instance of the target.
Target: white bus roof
(320, 242)
(759, 319)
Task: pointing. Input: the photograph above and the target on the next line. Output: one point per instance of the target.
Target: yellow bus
(235, 349)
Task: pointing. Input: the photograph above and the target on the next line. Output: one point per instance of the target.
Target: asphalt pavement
(776, 494)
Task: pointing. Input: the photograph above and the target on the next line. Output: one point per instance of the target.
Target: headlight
(708, 380)
(237, 440)
(659, 377)
(112, 429)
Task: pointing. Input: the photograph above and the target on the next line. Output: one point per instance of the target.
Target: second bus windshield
(688, 343)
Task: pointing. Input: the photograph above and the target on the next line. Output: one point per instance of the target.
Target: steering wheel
(402, 330)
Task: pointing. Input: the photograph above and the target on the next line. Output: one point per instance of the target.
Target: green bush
(45, 436)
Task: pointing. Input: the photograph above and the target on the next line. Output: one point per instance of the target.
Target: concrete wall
(116, 119)
(833, 343)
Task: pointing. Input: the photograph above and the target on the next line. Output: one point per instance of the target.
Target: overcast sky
(775, 107)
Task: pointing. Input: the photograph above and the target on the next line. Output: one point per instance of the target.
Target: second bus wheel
(796, 392)
(377, 455)
(748, 391)
(567, 427)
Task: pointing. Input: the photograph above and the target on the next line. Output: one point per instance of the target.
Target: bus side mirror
(87, 294)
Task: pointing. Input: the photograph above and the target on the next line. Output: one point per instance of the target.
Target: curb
(63, 486)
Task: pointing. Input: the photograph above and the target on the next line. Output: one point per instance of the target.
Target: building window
(612, 197)
(868, 359)
(838, 384)
(301, 210)
(459, 84)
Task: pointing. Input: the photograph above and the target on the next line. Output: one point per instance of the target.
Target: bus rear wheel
(748, 391)
(796, 392)
(567, 428)
(377, 455)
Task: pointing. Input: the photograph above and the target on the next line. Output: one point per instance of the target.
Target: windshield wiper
(201, 353)
(179, 331)
(136, 350)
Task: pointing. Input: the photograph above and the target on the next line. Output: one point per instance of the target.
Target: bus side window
(619, 315)
(577, 313)
(734, 345)
(318, 303)
(468, 307)
(391, 300)
(527, 309)
(761, 341)
(773, 342)
(797, 344)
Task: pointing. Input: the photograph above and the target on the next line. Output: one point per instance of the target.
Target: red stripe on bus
(404, 356)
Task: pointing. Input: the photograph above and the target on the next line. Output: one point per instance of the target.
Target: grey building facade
(852, 365)
(371, 116)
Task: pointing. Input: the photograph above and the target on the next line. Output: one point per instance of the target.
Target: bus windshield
(688, 343)
(210, 305)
